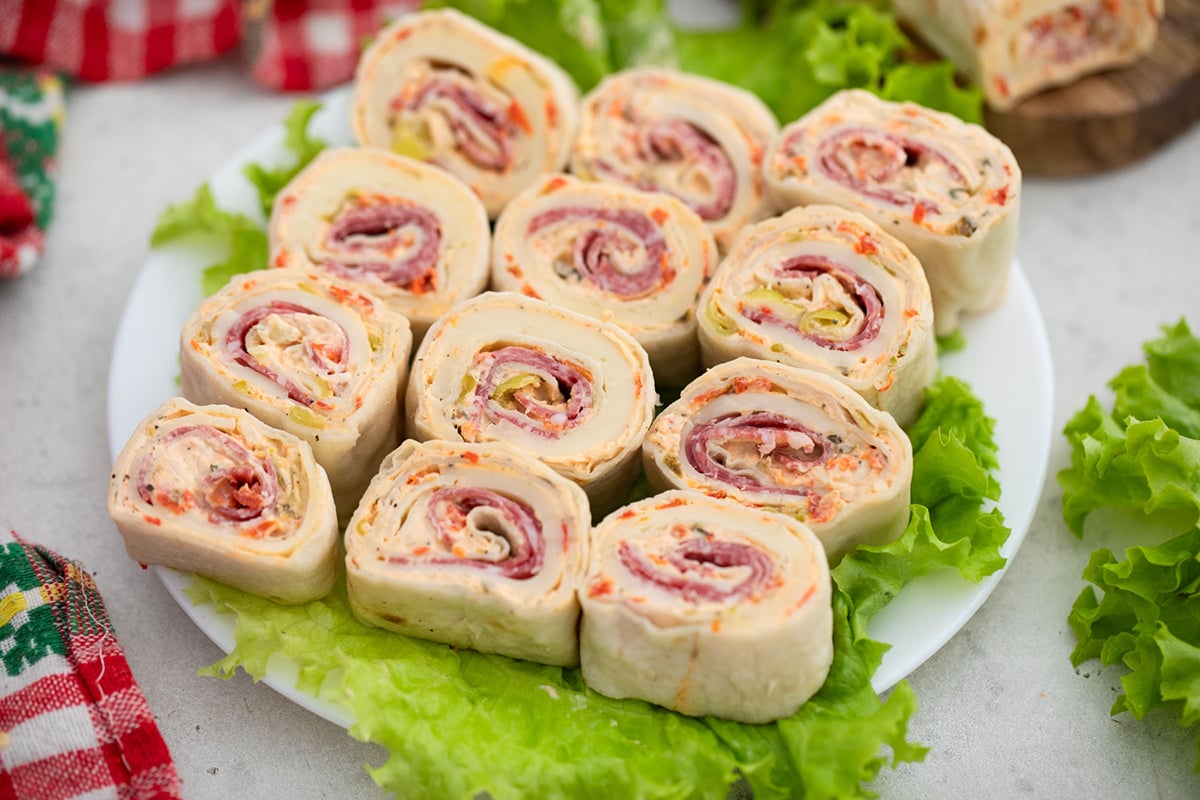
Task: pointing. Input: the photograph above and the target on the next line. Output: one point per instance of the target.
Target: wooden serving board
(1113, 118)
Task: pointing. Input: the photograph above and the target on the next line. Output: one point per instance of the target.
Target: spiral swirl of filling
(234, 486)
(756, 452)
(304, 352)
(395, 242)
(481, 120)
(888, 165)
(699, 568)
(620, 250)
(482, 528)
(678, 157)
(845, 311)
(536, 392)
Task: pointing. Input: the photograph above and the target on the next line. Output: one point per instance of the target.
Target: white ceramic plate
(1006, 361)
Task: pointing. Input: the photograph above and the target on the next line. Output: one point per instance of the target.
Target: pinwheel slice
(706, 606)
(698, 139)
(308, 355)
(473, 545)
(947, 189)
(635, 258)
(1013, 50)
(828, 289)
(788, 440)
(214, 491)
(410, 234)
(574, 391)
(443, 88)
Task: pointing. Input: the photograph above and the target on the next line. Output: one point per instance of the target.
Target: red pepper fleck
(658, 215)
(918, 215)
(601, 588)
(420, 551)
(152, 520)
(516, 115)
(471, 457)
(998, 196)
(744, 384)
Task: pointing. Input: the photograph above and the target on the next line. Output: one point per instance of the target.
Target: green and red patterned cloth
(73, 722)
(31, 113)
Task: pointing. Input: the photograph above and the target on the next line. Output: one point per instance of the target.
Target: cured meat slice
(214, 491)
(949, 190)
(789, 440)
(698, 139)
(474, 545)
(635, 258)
(828, 289)
(1013, 50)
(410, 234)
(440, 87)
(576, 392)
(706, 606)
(308, 355)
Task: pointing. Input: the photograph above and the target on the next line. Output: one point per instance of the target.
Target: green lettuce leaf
(1143, 457)
(795, 54)
(244, 239)
(302, 145)
(456, 722)
(587, 38)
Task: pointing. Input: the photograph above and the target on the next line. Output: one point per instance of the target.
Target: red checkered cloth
(290, 45)
(73, 722)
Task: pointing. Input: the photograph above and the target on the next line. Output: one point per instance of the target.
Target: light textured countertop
(1004, 713)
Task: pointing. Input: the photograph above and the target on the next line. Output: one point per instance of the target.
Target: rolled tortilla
(213, 491)
(410, 234)
(573, 391)
(1013, 50)
(698, 139)
(706, 606)
(441, 87)
(310, 356)
(828, 289)
(635, 258)
(947, 189)
(474, 545)
(788, 440)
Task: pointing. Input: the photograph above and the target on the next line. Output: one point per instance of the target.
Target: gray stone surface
(1004, 714)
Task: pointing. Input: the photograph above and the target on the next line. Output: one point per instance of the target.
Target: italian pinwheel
(574, 391)
(410, 234)
(473, 545)
(789, 440)
(214, 491)
(635, 258)
(698, 139)
(706, 606)
(948, 189)
(1012, 50)
(308, 355)
(828, 289)
(440, 87)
